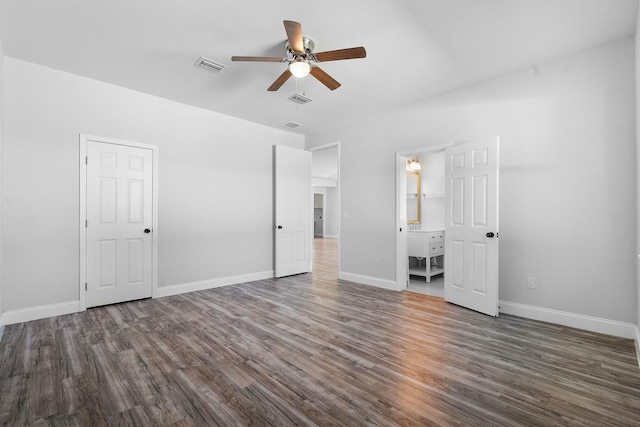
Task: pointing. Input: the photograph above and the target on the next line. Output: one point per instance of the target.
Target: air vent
(299, 98)
(210, 65)
(292, 125)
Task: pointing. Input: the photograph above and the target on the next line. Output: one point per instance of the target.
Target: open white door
(119, 223)
(293, 201)
(471, 226)
(402, 266)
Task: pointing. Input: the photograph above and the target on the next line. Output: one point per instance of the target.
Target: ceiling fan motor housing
(307, 55)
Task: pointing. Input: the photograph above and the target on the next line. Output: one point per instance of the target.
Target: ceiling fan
(302, 60)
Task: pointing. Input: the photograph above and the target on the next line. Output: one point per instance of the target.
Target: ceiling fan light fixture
(300, 68)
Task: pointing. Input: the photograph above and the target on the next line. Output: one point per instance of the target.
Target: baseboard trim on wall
(368, 280)
(1, 329)
(573, 320)
(330, 236)
(202, 285)
(40, 312)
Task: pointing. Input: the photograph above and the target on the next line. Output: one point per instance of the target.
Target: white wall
(215, 207)
(567, 183)
(332, 213)
(1, 172)
(637, 56)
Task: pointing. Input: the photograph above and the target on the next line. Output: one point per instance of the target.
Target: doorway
(326, 188)
(318, 215)
(468, 240)
(425, 212)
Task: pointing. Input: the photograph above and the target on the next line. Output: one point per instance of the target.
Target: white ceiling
(415, 48)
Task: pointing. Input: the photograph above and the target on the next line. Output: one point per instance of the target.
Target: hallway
(325, 258)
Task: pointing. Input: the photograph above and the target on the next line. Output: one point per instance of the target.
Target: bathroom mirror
(413, 197)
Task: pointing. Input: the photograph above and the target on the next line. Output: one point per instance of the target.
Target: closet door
(119, 223)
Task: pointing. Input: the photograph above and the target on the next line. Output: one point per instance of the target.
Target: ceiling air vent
(292, 125)
(209, 64)
(299, 98)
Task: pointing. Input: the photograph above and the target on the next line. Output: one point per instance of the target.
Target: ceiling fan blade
(257, 58)
(294, 35)
(336, 55)
(280, 80)
(324, 78)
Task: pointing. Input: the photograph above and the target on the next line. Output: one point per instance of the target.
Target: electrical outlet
(376, 261)
(531, 282)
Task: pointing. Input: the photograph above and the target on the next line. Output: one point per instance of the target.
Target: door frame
(318, 148)
(83, 140)
(402, 273)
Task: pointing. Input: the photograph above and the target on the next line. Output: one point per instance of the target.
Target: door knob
(279, 227)
(490, 234)
(147, 230)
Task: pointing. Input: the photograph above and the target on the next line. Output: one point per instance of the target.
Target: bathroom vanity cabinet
(427, 247)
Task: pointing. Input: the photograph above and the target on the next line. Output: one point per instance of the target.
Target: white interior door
(119, 224)
(471, 226)
(293, 201)
(402, 265)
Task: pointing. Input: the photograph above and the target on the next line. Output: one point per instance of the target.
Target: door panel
(108, 200)
(136, 201)
(119, 209)
(136, 260)
(293, 199)
(480, 268)
(107, 263)
(457, 202)
(456, 259)
(471, 211)
(479, 202)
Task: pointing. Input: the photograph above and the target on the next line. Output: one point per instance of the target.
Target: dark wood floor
(311, 350)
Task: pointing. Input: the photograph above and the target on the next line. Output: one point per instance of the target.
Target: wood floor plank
(14, 401)
(311, 350)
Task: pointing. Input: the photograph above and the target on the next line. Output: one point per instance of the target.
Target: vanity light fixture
(413, 165)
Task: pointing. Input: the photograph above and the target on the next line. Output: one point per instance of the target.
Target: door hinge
(86, 223)
(86, 160)
(85, 286)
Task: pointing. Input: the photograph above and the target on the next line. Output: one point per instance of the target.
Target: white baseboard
(330, 236)
(1, 329)
(579, 321)
(201, 285)
(44, 311)
(368, 280)
(40, 312)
